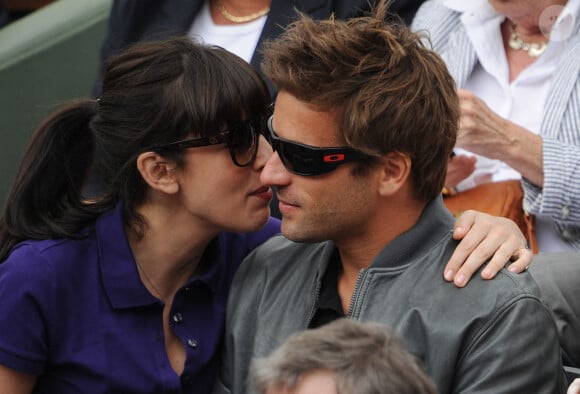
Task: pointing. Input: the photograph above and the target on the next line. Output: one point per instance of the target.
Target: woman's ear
(158, 172)
(395, 173)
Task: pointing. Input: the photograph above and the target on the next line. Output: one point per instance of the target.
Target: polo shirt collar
(211, 266)
(119, 273)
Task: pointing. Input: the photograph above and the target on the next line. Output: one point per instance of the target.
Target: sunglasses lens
(243, 143)
(302, 160)
(295, 159)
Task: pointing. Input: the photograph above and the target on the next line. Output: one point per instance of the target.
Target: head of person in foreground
(343, 357)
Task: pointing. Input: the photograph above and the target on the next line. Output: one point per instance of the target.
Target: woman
(127, 293)
(516, 66)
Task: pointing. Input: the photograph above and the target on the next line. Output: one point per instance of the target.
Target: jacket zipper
(313, 308)
(355, 294)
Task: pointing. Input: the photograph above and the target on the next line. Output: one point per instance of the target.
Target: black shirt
(328, 305)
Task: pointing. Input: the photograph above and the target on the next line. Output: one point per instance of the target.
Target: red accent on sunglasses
(333, 158)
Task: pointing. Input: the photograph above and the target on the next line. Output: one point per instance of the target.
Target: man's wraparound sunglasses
(241, 140)
(308, 160)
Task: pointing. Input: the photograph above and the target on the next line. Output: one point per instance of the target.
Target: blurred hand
(485, 133)
(459, 168)
(481, 130)
(574, 387)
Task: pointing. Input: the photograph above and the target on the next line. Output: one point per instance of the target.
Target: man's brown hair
(392, 94)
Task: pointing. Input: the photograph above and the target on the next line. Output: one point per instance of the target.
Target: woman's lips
(263, 192)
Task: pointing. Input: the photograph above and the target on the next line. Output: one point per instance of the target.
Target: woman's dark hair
(154, 93)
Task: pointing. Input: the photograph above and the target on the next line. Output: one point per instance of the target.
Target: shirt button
(185, 379)
(565, 212)
(177, 318)
(568, 234)
(192, 343)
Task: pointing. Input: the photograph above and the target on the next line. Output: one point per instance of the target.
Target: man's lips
(285, 203)
(263, 192)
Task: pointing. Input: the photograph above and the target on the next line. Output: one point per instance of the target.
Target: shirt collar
(434, 225)
(211, 265)
(118, 269)
(567, 22)
(481, 10)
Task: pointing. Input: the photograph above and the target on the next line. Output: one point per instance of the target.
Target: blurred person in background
(240, 26)
(342, 357)
(516, 67)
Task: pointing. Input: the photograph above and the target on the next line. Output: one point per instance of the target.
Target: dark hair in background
(392, 94)
(153, 93)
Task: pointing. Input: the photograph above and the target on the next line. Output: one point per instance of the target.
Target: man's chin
(290, 230)
(298, 233)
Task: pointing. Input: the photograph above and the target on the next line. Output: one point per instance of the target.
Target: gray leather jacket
(489, 337)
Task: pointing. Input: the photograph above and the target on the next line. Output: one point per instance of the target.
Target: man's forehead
(303, 122)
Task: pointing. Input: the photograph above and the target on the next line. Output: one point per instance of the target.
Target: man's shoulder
(505, 283)
(484, 299)
(489, 295)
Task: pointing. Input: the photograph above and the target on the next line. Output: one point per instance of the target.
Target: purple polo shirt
(75, 313)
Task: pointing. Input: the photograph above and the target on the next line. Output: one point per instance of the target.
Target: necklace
(240, 19)
(148, 280)
(534, 49)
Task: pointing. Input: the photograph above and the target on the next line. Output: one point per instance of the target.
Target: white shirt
(522, 100)
(241, 38)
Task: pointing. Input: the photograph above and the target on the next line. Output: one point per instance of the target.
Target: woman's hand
(485, 133)
(574, 387)
(483, 237)
(481, 130)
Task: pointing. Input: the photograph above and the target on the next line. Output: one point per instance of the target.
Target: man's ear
(395, 173)
(158, 172)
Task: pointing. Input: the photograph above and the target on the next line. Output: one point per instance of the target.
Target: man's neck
(358, 251)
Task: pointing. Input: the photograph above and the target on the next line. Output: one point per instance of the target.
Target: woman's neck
(231, 12)
(535, 21)
(169, 251)
(521, 50)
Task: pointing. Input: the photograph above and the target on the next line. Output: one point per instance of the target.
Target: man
(344, 356)
(363, 125)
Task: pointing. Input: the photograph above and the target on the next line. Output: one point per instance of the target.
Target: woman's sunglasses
(241, 140)
(308, 160)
